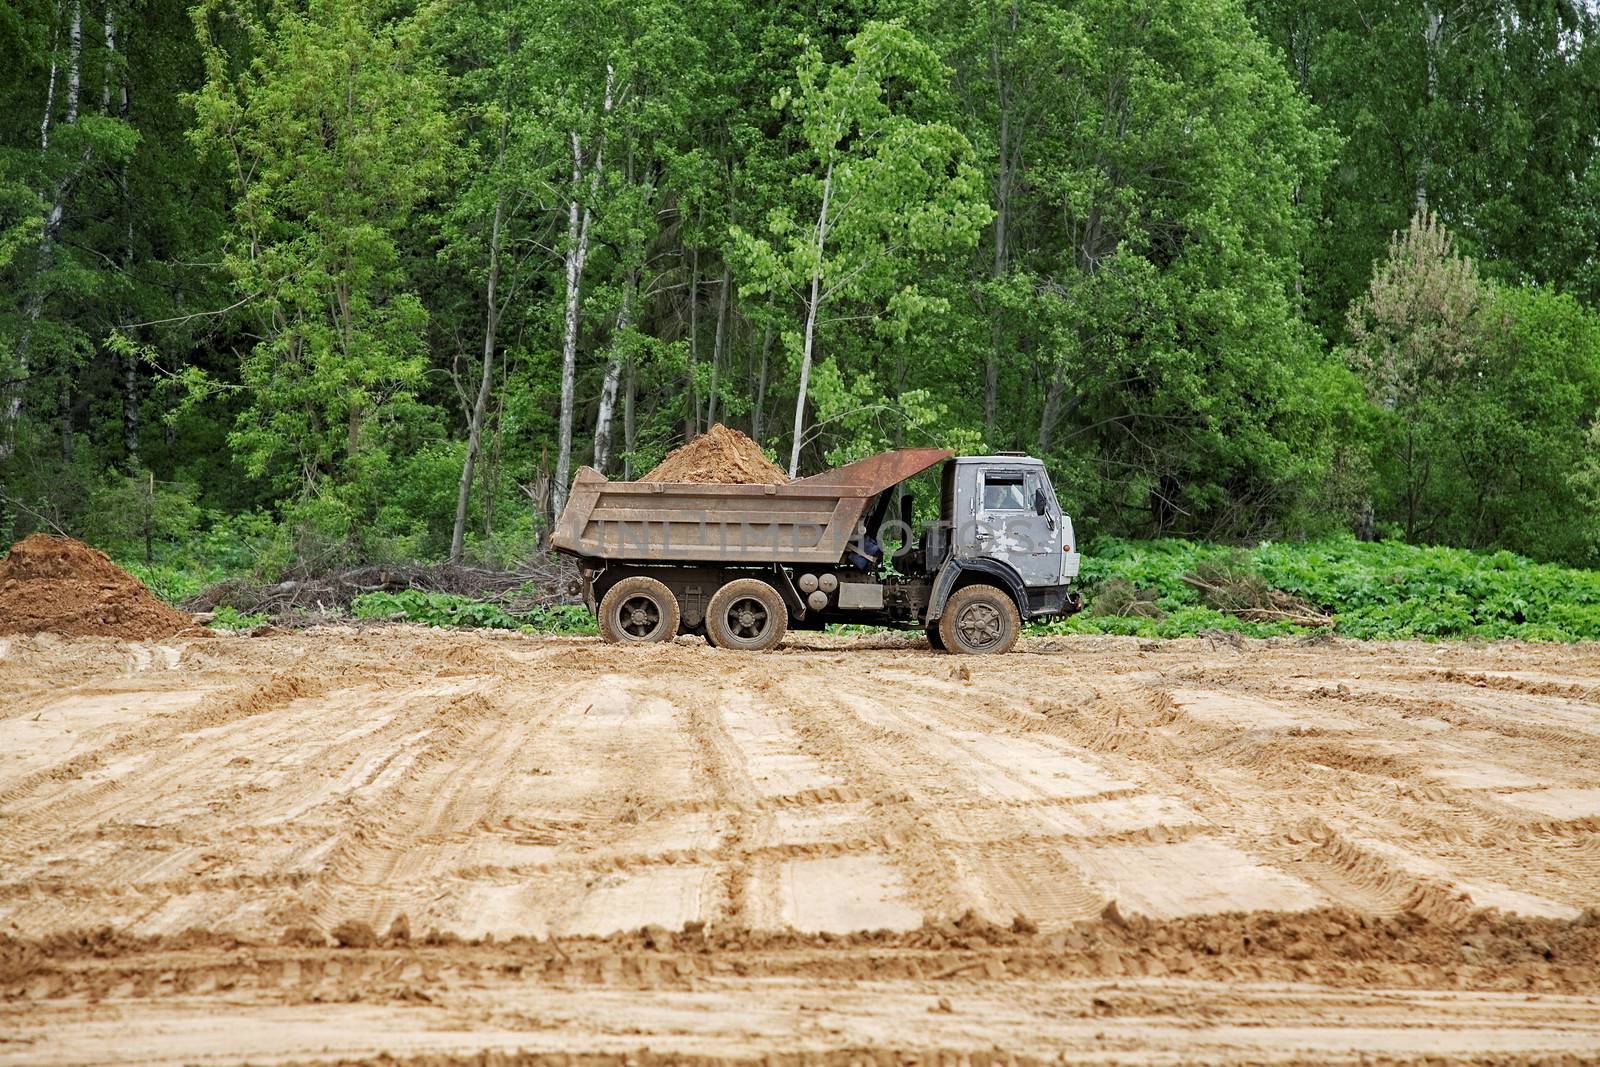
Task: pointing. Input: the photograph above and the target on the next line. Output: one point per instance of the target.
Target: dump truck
(743, 564)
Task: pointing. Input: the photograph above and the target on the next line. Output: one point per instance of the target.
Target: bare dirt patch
(721, 454)
(405, 846)
(62, 586)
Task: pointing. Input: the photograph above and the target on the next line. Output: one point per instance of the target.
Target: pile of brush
(1229, 586)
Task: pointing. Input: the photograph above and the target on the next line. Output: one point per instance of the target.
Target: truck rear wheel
(979, 620)
(638, 611)
(746, 614)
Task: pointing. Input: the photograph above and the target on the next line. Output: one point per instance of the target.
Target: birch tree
(588, 168)
(618, 77)
(73, 141)
(889, 188)
(11, 389)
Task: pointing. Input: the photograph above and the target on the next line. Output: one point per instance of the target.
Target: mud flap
(943, 585)
(586, 583)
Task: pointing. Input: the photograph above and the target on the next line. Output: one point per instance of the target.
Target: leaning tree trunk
(491, 329)
(718, 344)
(811, 324)
(608, 388)
(576, 255)
(691, 417)
(629, 423)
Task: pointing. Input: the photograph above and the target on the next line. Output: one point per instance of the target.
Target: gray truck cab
(1000, 522)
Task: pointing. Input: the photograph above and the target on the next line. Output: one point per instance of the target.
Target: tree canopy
(369, 281)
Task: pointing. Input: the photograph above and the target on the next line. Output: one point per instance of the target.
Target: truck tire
(638, 611)
(746, 614)
(979, 620)
(935, 642)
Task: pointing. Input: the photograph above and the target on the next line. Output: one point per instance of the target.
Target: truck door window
(1002, 491)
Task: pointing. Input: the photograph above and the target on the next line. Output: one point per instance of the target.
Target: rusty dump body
(807, 521)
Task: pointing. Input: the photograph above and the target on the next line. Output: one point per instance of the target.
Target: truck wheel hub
(980, 625)
(747, 619)
(639, 616)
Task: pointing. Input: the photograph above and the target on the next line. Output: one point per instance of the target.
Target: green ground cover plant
(450, 609)
(1384, 590)
(1381, 591)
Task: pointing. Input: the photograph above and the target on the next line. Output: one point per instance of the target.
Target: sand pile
(63, 586)
(718, 455)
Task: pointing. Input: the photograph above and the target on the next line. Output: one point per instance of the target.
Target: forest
(315, 283)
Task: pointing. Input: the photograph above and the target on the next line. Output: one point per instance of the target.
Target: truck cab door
(1019, 523)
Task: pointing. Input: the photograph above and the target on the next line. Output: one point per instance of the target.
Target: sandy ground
(405, 845)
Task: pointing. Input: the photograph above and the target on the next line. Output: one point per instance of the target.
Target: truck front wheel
(979, 620)
(746, 614)
(638, 611)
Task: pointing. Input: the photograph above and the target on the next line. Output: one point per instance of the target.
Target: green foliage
(334, 127)
(1383, 591)
(173, 582)
(129, 515)
(432, 609)
(449, 609)
(1123, 237)
(233, 619)
(1486, 396)
(886, 191)
(1498, 140)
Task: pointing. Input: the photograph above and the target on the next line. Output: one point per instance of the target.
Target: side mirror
(1038, 502)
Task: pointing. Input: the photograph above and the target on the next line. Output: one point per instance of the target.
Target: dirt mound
(718, 455)
(58, 585)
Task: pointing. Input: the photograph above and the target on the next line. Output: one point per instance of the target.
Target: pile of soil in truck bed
(58, 585)
(718, 455)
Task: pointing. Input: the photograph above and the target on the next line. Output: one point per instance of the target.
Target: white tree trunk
(109, 25)
(629, 426)
(50, 92)
(811, 324)
(608, 388)
(691, 417)
(1432, 37)
(576, 255)
(74, 52)
(11, 389)
(717, 345)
